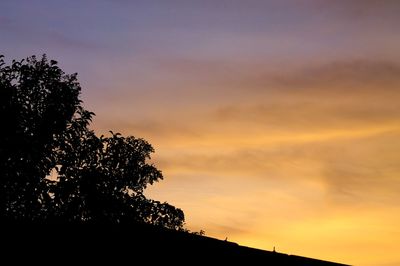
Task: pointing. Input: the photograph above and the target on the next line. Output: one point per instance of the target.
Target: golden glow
(310, 167)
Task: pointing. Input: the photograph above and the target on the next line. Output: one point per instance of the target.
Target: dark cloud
(374, 10)
(342, 74)
(363, 171)
(168, 129)
(61, 40)
(307, 115)
(353, 172)
(230, 74)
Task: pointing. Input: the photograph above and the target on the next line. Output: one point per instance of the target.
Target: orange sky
(275, 123)
(313, 171)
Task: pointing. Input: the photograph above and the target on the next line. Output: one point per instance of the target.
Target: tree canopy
(54, 168)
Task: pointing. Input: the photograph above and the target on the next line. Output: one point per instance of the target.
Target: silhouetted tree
(53, 168)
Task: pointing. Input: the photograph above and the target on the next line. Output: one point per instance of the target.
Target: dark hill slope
(132, 245)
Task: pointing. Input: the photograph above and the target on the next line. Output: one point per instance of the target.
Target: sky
(275, 123)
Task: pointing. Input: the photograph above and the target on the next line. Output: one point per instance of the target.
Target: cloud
(233, 73)
(354, 10)
(309, 114)
(362, 171)
(333, 125)
(69, 42)
(354, 75)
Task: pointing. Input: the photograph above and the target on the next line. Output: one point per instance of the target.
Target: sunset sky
(275, 123)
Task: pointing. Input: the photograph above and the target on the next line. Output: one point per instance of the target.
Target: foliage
(53, 168)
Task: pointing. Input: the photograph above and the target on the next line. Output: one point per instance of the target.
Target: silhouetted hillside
(132, 244)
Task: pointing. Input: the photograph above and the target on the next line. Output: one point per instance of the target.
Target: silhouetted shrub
(53, 168)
